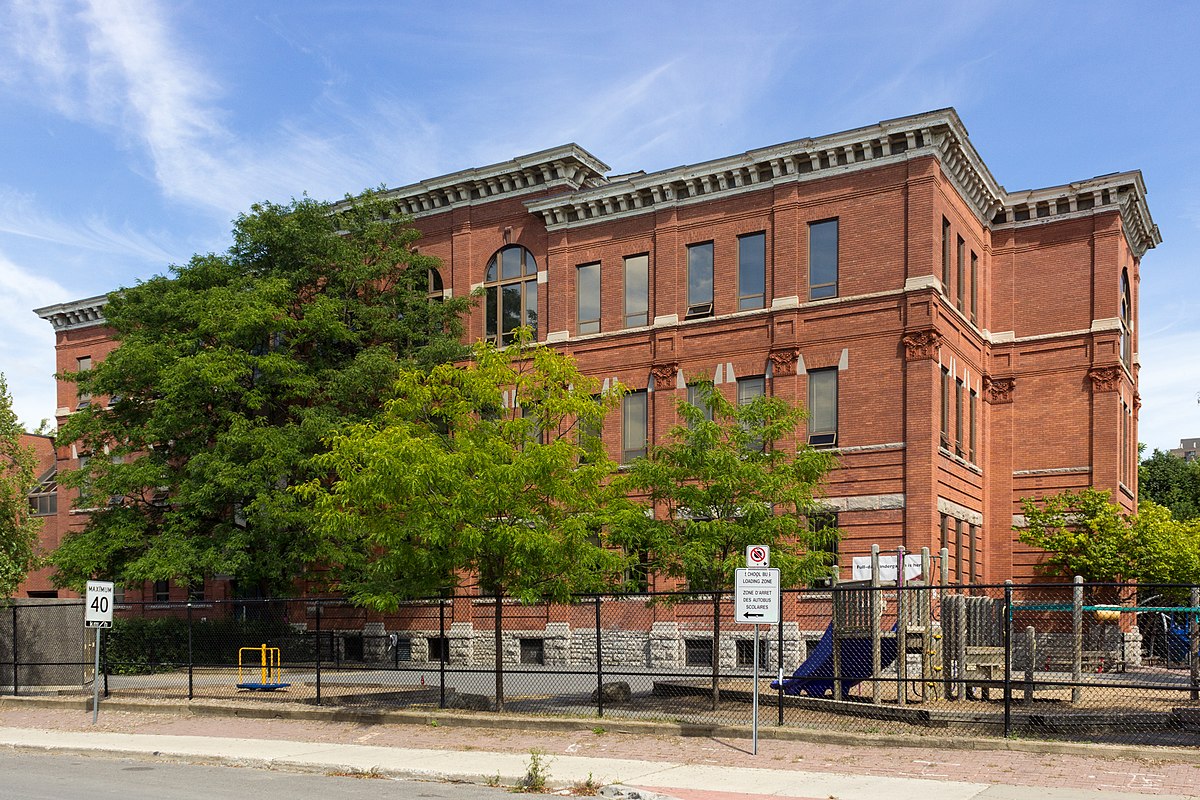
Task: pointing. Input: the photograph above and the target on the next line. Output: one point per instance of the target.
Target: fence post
(445, 653)
(318, 652)
(779, 663)
(599, 664)
(1194, 641)
(16, 660)
(876, 623)
(1077, 640)
(1031, 661)
(1008, 587)
(191, 660)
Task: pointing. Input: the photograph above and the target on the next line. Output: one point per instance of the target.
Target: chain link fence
(1112, 663)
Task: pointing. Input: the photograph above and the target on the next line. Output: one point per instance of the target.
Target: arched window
(1126, 320)
(511, 286)
(434, 289)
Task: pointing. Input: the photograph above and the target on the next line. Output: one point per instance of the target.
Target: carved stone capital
(783, 362)
(1105, 379)
(998, 391)
(664, 375)
(921, 345)
(1137, 401)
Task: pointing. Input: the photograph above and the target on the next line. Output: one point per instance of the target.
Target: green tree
(1084, 533)
(482, 473)
(228, 376)
(1170, 481)
(728, 477)
(18, 527)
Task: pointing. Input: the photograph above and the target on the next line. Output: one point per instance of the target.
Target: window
(196, 590)
(434, 289)
(752, 271)
(822, 407)
(823, 259)
(162, 591)
(823, 537)
(745, 652)
(697, 394)
(974, 426)
(960, 550)
(958, 417)
(973, 553)
(1126, 311)
(83, 364)
(697, 652)
(533, 651)
(750, 389)
(637, 291)
(974, 287)
(587, 297)
(439, 649)
(700, 280)
(962, 278)
(945, 440)
(512, 294)
(945, 256)
(43, 500)
(633, 426)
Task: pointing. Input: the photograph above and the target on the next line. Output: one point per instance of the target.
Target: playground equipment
(855, 648)
(269, 670)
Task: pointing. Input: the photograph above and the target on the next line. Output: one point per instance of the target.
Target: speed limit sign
(758, 555)
(98, 605)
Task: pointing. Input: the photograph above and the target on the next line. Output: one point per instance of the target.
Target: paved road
(36, 776)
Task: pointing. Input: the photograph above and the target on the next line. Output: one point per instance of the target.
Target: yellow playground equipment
(268, 667)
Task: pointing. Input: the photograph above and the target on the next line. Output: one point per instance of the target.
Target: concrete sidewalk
(685, 781)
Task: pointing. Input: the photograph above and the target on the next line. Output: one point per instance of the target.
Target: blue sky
(134, 132)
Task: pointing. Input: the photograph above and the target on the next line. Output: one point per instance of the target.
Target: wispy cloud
(27, 347)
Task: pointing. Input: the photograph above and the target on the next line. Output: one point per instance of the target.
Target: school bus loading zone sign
(756, 595)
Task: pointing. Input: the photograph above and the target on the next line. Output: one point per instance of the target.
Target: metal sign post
(98, 614)
(756, 601)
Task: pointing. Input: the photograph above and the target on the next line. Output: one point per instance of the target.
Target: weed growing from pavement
(586, 788)
(536, 773)
(599, 731)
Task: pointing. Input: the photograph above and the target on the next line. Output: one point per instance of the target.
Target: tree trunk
(716, 651)
(499, 638)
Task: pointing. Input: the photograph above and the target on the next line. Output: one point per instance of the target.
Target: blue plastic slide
(815, 676)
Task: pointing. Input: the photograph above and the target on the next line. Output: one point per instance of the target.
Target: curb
(450, 718)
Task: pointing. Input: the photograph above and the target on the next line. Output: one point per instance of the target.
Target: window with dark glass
(162, 591)
(43, 500)
(434, 289)
(637, 291)
(823, 259)
(752, 271)
(945, 438)
(822, 407)
(510, 286)
(962, 267)
(1126, 311)
(974, 287)
(745, 652)
(822, 527)
(974, 425)
(958, 417)
(83, 364)
(587, 295)
(945, 256)
(634, 427)
(700, 279)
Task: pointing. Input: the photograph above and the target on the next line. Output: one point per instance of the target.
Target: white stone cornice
(75, 314)
(568, 166)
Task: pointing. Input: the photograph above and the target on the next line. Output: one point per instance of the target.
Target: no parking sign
(758, 555)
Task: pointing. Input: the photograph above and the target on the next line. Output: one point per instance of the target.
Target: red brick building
(960, 345)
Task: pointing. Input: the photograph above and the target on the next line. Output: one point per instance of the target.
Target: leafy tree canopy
(728, 477)
(485, 472)
(1084, 533)
(1172, 482)
(18, 527)
(228, 375)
